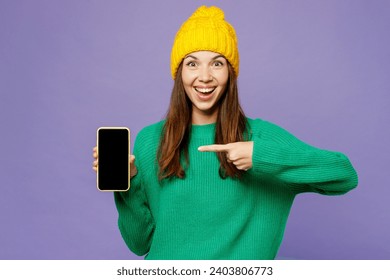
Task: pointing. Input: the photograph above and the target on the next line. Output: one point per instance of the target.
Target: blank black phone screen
(113, 159)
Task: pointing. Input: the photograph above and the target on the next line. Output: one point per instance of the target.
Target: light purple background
(320, 69)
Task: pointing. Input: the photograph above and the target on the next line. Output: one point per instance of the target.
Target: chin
(205, 110)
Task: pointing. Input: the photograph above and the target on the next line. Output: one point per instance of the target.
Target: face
(205, 76)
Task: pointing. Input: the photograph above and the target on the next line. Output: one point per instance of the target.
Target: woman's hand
(133, 168)
(238, 153)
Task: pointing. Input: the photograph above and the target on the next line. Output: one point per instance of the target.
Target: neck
(201, 118)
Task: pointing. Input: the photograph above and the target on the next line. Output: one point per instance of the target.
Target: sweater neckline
(203, 130)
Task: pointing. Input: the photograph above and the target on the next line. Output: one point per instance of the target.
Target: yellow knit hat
(205, 30)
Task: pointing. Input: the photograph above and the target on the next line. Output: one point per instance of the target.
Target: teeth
(204, 90)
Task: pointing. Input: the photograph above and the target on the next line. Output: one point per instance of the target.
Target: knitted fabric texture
(205, 30)
(205, 217)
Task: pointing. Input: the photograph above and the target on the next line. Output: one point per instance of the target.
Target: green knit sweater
(206, 217)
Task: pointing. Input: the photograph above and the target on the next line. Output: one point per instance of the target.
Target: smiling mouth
(205, 90)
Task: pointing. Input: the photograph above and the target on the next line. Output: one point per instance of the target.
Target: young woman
(208, 182)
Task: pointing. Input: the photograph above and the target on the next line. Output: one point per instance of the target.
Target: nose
(205, 75)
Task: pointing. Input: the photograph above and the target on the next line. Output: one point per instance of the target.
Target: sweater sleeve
(301, 167)
(135, 220)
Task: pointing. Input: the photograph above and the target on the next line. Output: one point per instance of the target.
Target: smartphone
(113, 149)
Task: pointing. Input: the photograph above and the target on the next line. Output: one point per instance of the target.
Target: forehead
(204, 55)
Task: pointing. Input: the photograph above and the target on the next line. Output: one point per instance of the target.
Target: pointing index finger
(213, 148)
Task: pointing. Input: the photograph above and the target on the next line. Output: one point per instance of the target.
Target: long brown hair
(230, 127)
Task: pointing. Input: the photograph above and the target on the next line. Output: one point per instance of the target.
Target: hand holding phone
(133, 168)
(113, 162)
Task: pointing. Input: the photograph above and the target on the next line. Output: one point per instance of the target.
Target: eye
(191, 64)
(218, 63)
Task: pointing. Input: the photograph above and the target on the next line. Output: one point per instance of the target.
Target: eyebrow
(194, 57)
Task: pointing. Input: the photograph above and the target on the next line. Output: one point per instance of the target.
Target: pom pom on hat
(205, 30)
